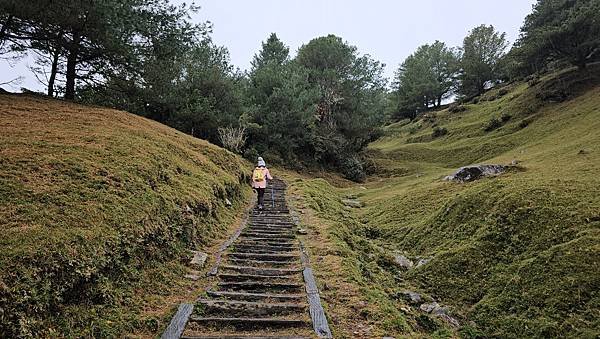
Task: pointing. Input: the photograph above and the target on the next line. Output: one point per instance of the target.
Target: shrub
(233, 138)
(505, 117)
(439, 132)
(353, 169)
(457, 109)
(524, 123)
(414, 129)
(493, 124)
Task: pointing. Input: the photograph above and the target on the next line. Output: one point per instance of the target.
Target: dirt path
(263, 287)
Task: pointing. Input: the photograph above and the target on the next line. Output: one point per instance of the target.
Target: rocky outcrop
(471, 173)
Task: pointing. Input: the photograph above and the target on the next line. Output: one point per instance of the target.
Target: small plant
(493, 124)
(439, 132)
(505, 117)
(457, 109)
(524, 123)
(414, 129)
(233, 138)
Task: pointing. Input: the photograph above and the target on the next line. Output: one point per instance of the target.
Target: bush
(493, 124)
(457, 109)
(233, 138)
(505, 117)
(439, 132)
(524, 123)
(414, 128)
(352, 168)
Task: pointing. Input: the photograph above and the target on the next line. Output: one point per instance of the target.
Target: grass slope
(514, 256)
(92, 203)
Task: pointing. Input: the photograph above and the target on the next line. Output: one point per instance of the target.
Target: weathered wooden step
(242, 337)
(256, 296)
(261, 270)
(262, 286)
(245, 323)
(284, 223)
(263, 238)
(268, 235)
(262, 263)
(265, 250)
(265, 256)
(286, 243)
(255, 247)
(249, 308)
(251, 277)
(274, 229)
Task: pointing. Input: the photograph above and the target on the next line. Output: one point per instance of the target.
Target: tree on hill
(561, 30)
(279, 102)
(482, 52)
(425, 78)
(273, 51)
(95, 40)
(351, 104)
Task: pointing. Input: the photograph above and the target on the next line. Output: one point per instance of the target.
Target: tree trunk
(53, 72)
(5, 28)
(439, 101)
(72, 67)
(581, 65)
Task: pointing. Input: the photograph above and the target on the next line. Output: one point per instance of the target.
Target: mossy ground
(97, 208)
(513, 256)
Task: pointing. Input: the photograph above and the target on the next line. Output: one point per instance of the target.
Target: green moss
(91, 200)
(514, 256)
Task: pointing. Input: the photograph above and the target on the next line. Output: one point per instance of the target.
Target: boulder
(199, 259)
(422, 261)
(471, 173)
(352, 203)
(412, 297)
(430, 307)
(403, 261)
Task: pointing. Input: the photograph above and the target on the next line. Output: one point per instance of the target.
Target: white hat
(261, 162)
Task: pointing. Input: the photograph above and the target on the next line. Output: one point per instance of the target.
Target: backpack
(258, 175)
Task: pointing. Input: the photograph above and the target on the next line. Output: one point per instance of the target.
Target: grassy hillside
(92, 203)
(512, 256)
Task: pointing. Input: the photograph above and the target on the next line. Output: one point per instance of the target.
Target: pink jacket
(263, 184)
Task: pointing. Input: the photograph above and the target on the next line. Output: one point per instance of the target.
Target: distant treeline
(320, 108)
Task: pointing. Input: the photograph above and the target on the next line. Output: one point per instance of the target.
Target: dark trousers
(261, 195)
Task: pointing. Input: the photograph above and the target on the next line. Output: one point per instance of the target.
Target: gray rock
(403, 261)
(471, 173)
(422, 261)
(412, 297)
(199, 259)
(352, 203)
(228, 202)
(429, 307)
(302, 231)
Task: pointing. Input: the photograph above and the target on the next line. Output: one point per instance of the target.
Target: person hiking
(260, 175)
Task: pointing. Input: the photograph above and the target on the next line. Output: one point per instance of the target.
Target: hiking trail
(264, 286)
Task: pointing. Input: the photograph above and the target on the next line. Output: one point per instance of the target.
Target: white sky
(388, 30)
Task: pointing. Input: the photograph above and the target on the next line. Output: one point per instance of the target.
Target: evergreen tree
(425, 78)
(560, 30)
(482, 51)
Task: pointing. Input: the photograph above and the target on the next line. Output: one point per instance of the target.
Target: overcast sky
(388, 30)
